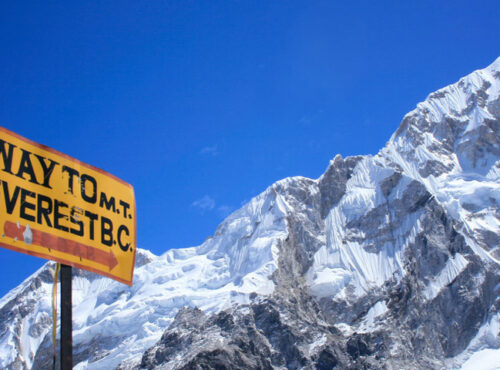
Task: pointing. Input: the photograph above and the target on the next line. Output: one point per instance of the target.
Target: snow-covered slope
(385, 260)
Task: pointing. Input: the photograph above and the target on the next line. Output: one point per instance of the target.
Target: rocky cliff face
(385, 261)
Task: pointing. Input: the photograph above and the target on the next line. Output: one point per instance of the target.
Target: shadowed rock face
(385, 262)
(332, 185)
(257, 339)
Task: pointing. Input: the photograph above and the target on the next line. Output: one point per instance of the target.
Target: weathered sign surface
(56, 207)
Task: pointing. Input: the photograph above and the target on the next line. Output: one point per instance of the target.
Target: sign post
(66, 318)
(58, 208)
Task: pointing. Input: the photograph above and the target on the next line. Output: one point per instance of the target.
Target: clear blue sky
(201, 105)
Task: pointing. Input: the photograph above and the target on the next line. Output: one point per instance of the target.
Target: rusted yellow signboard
(56, 207)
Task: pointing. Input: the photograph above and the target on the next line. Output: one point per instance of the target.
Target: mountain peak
(454, 131)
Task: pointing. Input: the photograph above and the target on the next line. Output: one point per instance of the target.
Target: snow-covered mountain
(385, 261)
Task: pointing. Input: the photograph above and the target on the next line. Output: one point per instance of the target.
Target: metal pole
(66, 319)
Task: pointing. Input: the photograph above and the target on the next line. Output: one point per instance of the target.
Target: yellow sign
(56, 207)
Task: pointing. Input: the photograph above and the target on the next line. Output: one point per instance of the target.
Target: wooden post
(66, 319)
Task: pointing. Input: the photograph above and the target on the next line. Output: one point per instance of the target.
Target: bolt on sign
(55, 207)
